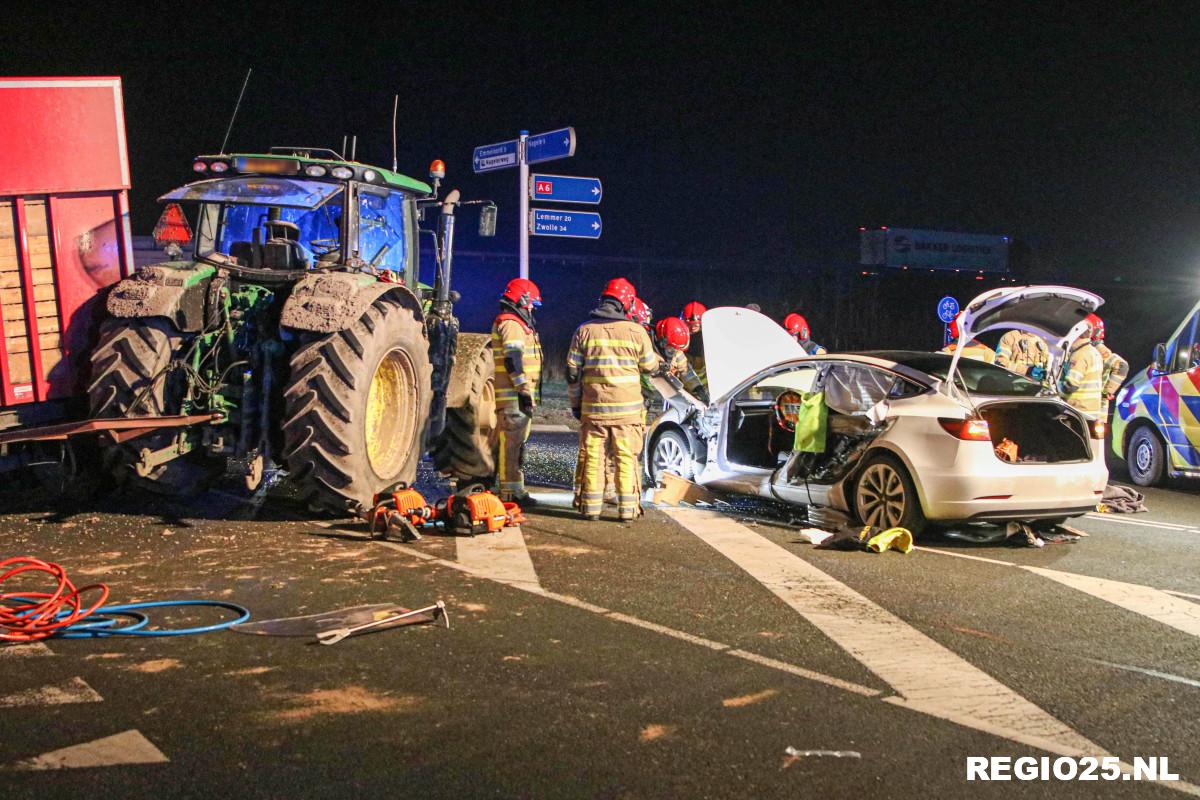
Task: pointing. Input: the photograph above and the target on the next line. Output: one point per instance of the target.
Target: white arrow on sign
(595, 226)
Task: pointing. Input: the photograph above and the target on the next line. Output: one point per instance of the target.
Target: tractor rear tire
(357, 404)
(466, 448)
(130, 379)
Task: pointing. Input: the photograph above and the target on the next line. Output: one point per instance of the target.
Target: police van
(1156, 425)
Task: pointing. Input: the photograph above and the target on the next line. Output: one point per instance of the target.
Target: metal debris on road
(336, 635)
(794, 753)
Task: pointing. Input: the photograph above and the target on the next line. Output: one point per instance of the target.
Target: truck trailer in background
(64, 236)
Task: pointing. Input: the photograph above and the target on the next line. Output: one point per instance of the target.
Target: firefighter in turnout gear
(797, 326)
(691, 315)
(1080, 385)
(1114, 369)
(672, 339)
(518, 354)
(607, 357)
(973, 349)
(1023, 353)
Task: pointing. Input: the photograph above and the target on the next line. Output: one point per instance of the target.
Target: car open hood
(1056, 313)
(738, 343)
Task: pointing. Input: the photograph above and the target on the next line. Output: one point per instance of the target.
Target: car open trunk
(1044, 433)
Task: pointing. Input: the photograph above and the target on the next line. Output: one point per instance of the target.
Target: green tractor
(298, 330)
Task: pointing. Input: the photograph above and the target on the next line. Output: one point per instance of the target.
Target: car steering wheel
(787, 409)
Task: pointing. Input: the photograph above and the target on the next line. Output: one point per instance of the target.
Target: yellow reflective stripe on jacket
(510, 337)
(1081, 385)
(610, 357)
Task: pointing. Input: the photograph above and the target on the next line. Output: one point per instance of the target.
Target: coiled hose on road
(64, 612)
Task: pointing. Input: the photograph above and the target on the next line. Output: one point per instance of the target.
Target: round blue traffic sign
(947, 309)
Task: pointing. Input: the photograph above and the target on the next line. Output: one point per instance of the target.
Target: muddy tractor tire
(357, 404)
(466, 448)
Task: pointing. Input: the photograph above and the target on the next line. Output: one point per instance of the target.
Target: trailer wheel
(466, 448)
(356, 409)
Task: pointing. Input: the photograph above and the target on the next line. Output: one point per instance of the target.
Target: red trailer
(64, 236)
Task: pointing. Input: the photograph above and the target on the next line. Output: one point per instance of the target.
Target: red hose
(29, 616)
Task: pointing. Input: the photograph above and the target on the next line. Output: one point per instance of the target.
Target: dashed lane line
(1170, 526)
(74, 690)
(500, 556)
(1161, 605)
(130, 747)
(25, 650)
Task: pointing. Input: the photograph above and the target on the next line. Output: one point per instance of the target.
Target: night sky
(720, 135)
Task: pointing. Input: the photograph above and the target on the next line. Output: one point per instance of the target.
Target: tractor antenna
(344, 138)
(395, 108)
(353, 146)
(241, 94)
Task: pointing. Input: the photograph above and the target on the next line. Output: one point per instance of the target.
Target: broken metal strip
(6, 388)
(37, 378)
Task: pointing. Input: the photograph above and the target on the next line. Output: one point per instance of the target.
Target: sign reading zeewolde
(909, 247)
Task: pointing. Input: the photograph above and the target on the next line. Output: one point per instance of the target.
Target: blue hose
(100, 624)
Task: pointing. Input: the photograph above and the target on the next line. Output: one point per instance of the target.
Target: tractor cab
(288, 212)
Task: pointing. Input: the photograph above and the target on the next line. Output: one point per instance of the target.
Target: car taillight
(970, 430)
(1098, 428)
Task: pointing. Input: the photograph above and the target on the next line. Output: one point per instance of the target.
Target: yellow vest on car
(610, 356)
(513, 338)
(1081, 383)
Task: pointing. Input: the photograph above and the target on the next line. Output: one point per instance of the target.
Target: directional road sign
(491, 157)
(947, 309)
(565, 188)
(550, 145)
(570, 224)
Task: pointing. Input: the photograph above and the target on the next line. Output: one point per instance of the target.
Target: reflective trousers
(513, 428)
(598, 443)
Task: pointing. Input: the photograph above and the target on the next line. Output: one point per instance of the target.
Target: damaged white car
(911, 438)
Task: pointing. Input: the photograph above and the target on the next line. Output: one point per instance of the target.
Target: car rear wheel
(1146, 457)
(671, 453)
(885, 497)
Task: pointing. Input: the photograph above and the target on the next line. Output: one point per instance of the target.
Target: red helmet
(522, 293)
(1097, 326)
(955, 331)
(640, 313)
(622, 291)
(797, 326)
(674, 332)
(692, 312)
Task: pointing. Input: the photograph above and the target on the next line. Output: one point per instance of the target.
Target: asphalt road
(679, 656)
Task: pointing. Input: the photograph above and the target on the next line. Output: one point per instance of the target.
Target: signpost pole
(523, 192)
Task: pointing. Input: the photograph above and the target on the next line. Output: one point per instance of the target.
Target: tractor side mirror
(487, 221)
(1160, 357)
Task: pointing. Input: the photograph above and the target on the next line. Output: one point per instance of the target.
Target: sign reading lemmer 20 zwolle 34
(568, 224)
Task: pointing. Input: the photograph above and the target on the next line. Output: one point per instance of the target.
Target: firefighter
(1023, 353)
(797, 326)
(691, 315)
(641, 313)
(1080, 385)
(974, 349)
(672, 339)
(1114, 369)
(518, 354)
(607, 356)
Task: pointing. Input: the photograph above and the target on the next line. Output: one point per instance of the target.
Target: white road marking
(1151, 603)
(73, 691)
(1171, 526)
(720, 647)
(1166, 676)
(1160, 605)
(500, 556)
(25, 650)
(130, 747)
(928, 676)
